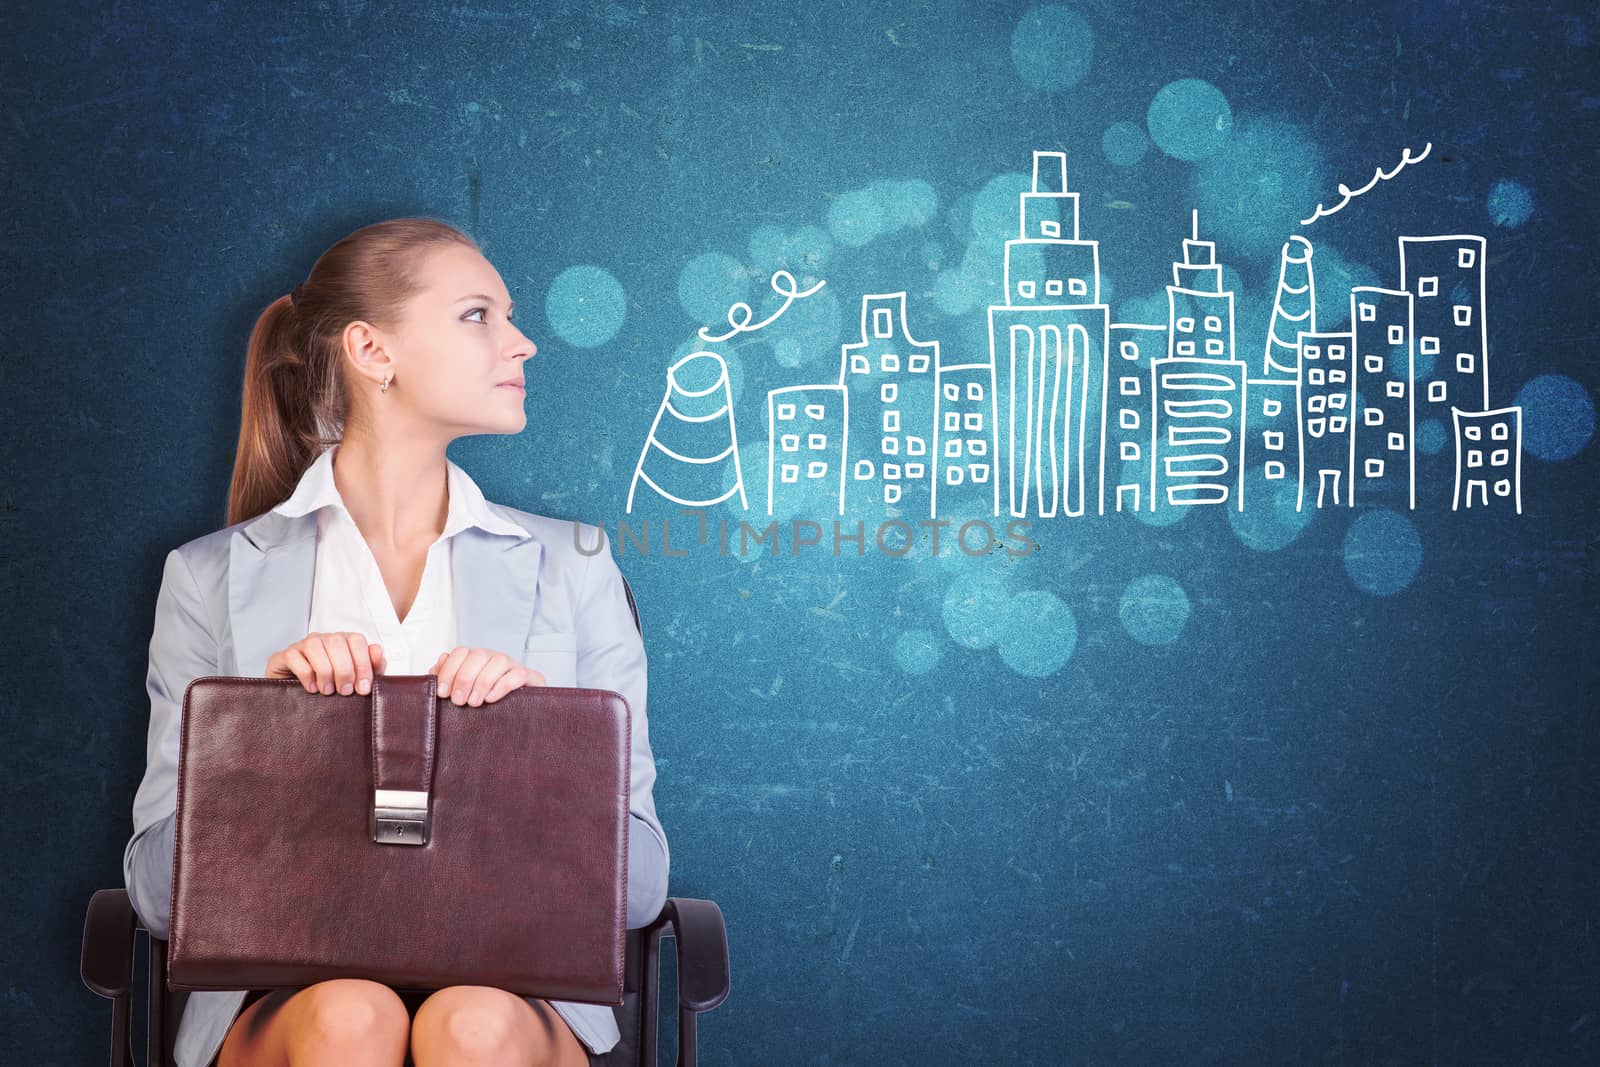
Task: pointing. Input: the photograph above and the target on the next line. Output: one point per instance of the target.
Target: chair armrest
(108, 931)
(702, 948)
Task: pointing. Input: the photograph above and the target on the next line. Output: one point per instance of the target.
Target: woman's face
(455, 347)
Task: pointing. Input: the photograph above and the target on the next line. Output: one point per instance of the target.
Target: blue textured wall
(1270, 787)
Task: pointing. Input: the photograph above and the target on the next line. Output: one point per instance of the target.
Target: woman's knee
(352, 1013)
(471, 1024)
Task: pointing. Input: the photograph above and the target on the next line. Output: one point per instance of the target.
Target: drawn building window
(1397, 441)
(1271, 407)
(889, 361)
(1129, 349)
(1186, 325)
(1052, 287)
(914, 470)
(1465, 257)
(817, 440)
(1369, 313)
(1129, 419)
(791, 442)
(1313, 351)
(891, 420)
(916, 446)
(980, 474)
(1436, 391)
(791, 472)
(1473, 433)
(1215, 346)
(891, 471)
(1463, 314)
(1336, 377)
(974, 420)
(952, 421)
(1336, 351)
(1374, 416)
(1314, 427)
(1428, 286)
(891, 446)
(1316, 376)
(863, 469)
(891, 494)
(952, 475)
(785, 411)
(882, 322)
(1474, 457)
(952, 447)
(1374, 468)
(1336, 401)
(1274, 440)
(1336, 424)
(952, 391)
(1502, 487)
(1130, 450)
(1025, 289)
(1317, 403)
(1429, 346)
(1077, 287)
(1185, 348)
(1500, 432)
(918, 362)
(1214, 323)
(1397, 334)
(1397, 389)
(889, 391)
(1374, 364)
(1464, 362)
(1500, 457)
(974, 390)
(978, 447)
(1130, 386)
(816, 469)
(859, 364)
(1274, 468)
(1050, 227)
(813, 411)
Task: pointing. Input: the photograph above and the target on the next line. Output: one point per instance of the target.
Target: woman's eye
(476, 311)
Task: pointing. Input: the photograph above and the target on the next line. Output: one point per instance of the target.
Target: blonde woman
(356, 547)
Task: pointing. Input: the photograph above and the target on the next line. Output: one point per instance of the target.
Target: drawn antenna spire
(1294, 309)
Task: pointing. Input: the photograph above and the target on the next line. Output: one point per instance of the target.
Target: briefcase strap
(405, 731)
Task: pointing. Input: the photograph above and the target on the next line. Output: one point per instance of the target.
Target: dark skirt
(413, 999)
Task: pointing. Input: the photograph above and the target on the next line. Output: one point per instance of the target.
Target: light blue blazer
(230, 599)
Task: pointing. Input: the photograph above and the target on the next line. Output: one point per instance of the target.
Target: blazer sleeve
(182, 648)
(611, 656)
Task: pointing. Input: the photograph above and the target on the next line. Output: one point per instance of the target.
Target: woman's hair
(296, 401)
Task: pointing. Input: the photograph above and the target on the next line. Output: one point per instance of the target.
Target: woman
(356, 547)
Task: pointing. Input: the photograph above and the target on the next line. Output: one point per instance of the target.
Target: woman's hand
(475, 675)
(324, 662)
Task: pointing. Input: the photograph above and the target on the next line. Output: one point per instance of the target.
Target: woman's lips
(518, 386)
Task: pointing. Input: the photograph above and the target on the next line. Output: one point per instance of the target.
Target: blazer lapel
(272, 561)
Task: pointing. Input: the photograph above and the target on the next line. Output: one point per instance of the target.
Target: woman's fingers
(338, 646)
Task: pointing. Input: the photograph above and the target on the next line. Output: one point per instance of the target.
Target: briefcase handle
(405, 731)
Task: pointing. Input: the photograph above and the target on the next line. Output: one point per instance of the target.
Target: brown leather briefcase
(400, 838)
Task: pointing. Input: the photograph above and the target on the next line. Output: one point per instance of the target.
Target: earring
(384, 388)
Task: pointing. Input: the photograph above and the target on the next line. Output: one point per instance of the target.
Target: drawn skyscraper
(1200, 386)
(1047, 344)
(891, 413)
(691, 454)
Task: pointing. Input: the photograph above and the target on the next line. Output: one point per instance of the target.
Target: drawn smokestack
(691, 455)
(1294, 310)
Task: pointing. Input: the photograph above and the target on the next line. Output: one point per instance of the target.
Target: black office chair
(111, 929)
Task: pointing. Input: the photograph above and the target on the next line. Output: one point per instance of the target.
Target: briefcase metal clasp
(400, 817)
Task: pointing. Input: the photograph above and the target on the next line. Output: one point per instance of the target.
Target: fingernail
(346, 689)
(364, 685)
(327, 688)
(459, 696)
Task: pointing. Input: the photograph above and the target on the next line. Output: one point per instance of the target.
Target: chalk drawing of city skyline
(1071, 412)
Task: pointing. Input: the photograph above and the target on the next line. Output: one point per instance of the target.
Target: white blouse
(347, 589)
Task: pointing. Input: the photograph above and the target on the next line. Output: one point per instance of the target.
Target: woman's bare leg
(348, 1022)
(465, 1025)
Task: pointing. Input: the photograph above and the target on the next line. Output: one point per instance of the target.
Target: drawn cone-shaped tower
(1294, 309)
(691, 455)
